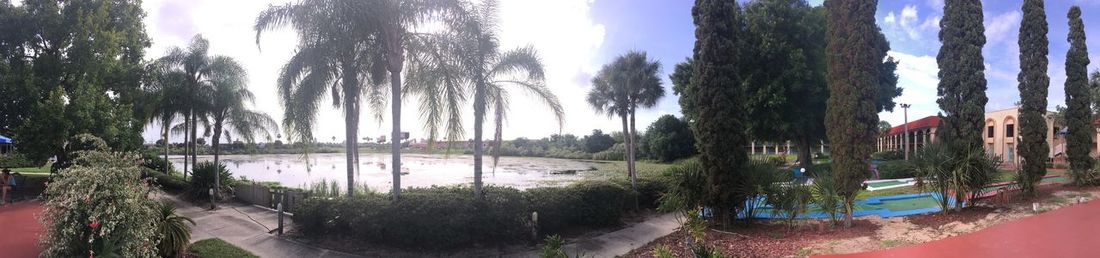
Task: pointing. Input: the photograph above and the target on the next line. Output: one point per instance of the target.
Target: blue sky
(576, 37)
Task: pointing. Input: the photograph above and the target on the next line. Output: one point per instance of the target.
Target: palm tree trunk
(194, 139)
(217, 168)
(479, 121)
(186, 140)
(351, 124)
(166, 124)
(626, 144)
(396, 58)
(630, 153)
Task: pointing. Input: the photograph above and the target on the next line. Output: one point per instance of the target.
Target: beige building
(1000, 136)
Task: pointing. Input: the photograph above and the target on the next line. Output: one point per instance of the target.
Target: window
(1010, 153)
(989, 132)
(1010, 131)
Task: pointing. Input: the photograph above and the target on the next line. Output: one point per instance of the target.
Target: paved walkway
(247, 227)
(1067, 232)
(620, 242)
(20, 229)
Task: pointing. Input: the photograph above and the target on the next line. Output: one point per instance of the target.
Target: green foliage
(1078, 114)
(686, 188)
(854, 43)
(157, 163)
(940, 169)
(962, 83)
(896, 169)
(790, 201)
(1085, 177)
(597, 141)
(173, 230)
(720, 118)
(218, 248)
(888, 155)
(78, 146)
(662, 251)
(933, 165)
(617, 152)
(99, 206)
(826, 195)
(553, 248)
(1034, 83)
(202, 180)
(669, 139)
(166, 181)
(16, 160)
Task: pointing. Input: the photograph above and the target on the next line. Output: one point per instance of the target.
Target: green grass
(617, 169)
(216, 248)
(885, 192)
(893, 243)
(32, 170)
(886, 183)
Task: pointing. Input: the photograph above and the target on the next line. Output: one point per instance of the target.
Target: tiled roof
(927, 122)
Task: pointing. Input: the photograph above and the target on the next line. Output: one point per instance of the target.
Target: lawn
(32, 170)
(617, 169)
(217, 248)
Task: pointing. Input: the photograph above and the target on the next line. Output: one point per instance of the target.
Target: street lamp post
(905, 112)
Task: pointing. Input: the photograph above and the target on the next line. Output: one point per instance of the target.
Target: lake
(420, 170)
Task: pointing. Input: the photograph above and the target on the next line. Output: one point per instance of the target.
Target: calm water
(420, 170)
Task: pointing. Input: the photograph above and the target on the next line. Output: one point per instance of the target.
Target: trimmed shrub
(888, 155)
(617, 152)
(154, 162)
(896, 169)
(16, 160)
(441, 218)
(202, 180)
(165, 181)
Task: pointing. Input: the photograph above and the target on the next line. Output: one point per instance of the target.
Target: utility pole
(905, 112)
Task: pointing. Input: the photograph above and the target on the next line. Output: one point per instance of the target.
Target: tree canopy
(1078, 114)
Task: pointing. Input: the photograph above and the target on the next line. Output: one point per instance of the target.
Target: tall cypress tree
(1034, 82)
(719, 124)
(851, 119)
(962, 74)
(1078, 98)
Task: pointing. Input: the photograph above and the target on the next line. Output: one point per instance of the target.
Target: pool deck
(1066, 232)
(21, 229)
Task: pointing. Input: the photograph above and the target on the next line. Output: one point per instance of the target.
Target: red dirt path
(20, 229)
(1066, 232)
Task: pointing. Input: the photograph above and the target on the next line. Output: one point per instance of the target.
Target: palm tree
(491, 74)
(194, 64)
(355, 39)
(164, 87)
(335, 52)
(620, 88)
(228, 111)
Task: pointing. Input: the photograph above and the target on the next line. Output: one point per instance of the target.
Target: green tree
(228, 110)
(192, 65)
(851, 120)
(669, 138)
(489, 72)
(719, 125)
(164, 86)
(620, 88)
(1078, 114)
(884, 127)
(962, 74)
(787, 89)
(597, 141)
(1033, 147)
(354, 39)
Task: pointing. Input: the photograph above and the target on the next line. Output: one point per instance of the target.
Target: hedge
(896, 169)
(888, 155)
(441, 218)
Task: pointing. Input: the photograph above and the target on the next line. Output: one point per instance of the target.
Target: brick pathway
(20, 229)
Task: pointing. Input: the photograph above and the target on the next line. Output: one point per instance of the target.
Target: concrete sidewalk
(247, 227)
(620, 242)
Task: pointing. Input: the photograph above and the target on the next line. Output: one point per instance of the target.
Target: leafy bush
(826, 194)
(202, 180)
(99, 206)
(669, 138)
(896, 169)
(888, 155)
(173, 230)
(16, 160)
(165, 181)
(686, 188)
(440, 218)
(790, 201)
(157, 163)
(617, 152)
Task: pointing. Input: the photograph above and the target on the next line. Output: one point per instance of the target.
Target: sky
(576, 37)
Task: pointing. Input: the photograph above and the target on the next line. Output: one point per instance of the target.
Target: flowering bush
(99, 207)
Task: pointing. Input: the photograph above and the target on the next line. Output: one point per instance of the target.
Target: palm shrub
(202, 180)
(174, 232)
(933, 170)
(762, 179)
(553, 248)
(975, 169)
(98, 207)
(826, 195)
(789, 201)
(686, 188)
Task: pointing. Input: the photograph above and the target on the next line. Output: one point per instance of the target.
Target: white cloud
(935, 4)
(918, 75)
(566, 45)
(1001, 27)
(908, 15)
(890, 18)
(909, 23)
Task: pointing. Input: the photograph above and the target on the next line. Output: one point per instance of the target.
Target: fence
(267, 197)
